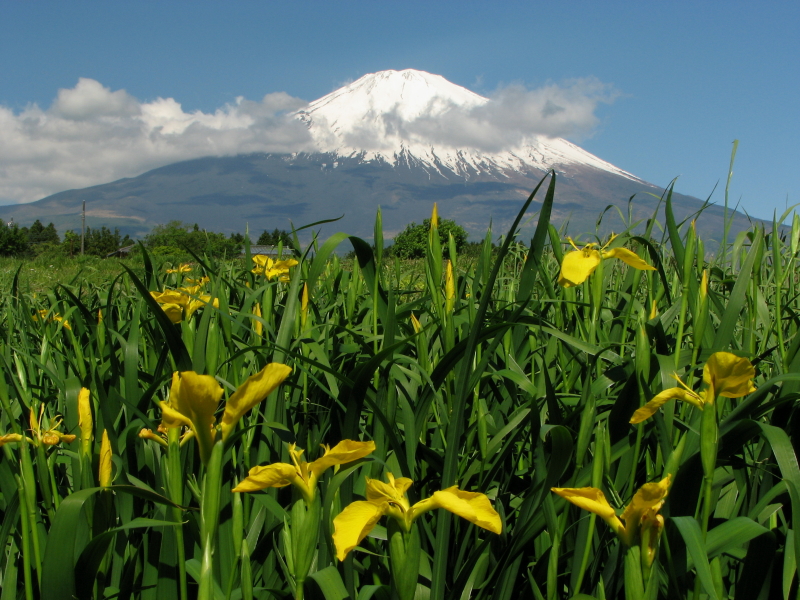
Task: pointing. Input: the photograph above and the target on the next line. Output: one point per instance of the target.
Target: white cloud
(91, 135)
(513, 114)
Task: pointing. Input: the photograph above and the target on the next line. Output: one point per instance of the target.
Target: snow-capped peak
(413, 115)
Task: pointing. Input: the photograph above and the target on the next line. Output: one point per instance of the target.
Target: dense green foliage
(275, 237)
(13, 240)
(496, 379)
(412, 242)
(39, 234)
(176, 238)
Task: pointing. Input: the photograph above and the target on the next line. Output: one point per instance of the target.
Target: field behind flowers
(133, 405)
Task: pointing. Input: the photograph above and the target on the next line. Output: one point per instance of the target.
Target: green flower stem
(44, 478)
(176, 495)
(304, 534)
(26, 544)
(404, 553)
(209, 520)
(28, 481)
(708, 457)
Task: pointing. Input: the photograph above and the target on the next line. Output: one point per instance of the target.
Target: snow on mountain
(391, 116)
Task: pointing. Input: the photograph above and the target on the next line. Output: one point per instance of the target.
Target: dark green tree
(274, 237)
(102, 242)
(412, 242)
(176, 237)
(13, 240)
(39, 234)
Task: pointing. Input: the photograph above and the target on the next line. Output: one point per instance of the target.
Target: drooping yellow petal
(472, 506)
(415, 324)
(251, 392)
(275, 475)
(629, 258)
(171, 418)
(10, 437)
(105, 461)
(650, 497)
(354, 523)
(85, 418)
(649, 409)
(147, 434)
(344, 452)
(174, 312)
(193, 400)
(729, 375)
(284, 265)
(170, 297)
(577, 266)
(588, 498)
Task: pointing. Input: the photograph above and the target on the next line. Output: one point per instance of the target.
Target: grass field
(344, 401)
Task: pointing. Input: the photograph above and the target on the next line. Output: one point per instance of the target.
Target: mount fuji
(400, 140)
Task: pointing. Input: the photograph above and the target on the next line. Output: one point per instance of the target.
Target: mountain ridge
(393, 168)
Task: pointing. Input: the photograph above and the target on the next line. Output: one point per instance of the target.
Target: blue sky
(683, 79)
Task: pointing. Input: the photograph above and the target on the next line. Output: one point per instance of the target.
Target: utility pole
(83, 225)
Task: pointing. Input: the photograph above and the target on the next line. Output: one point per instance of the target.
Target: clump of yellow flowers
(273, 268)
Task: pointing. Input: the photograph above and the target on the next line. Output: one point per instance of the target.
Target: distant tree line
(177, 238)
(37, 239)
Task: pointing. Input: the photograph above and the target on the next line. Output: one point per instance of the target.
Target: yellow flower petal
(105, 461)
(629, 258)
(251, 392)
(354, 523)
(729, 375)
(577, 266)
(649, 409)
(394, 491)
(344, 452)
(10, 437)
(588, 498)
(649, 497)
(193, 400)
(275, 475)
(174, 312)
(593, 500)
(472, 506)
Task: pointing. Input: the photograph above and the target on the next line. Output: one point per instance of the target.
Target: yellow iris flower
(48, 437)
(42, 315)
(640, 514)
(194, 399)
(578, 264)
(724, 373)
(271, 268)
(303, 475)
(184, 268)
(355, 522)
(181, 304)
